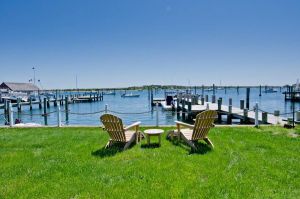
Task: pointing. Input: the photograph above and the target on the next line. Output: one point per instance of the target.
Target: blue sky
(120, 43)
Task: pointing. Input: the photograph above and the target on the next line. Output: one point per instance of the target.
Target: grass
(71, 163)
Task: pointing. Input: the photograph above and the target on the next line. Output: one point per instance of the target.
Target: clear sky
(116, 43)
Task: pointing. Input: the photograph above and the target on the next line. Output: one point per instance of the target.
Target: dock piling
(67, 108)
(45, 112)
(58, 116)
(19, 104)
(248, 98)
(242, 104)
(219, 110)
(10, 114)
(264, 117)
(256, 114)
(157, 119)
(30, 104)
(229, 116)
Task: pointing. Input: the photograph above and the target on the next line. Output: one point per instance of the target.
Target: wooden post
(183, 103)
(245, 120)
(259, 90)
(58, 116)
(48, 102)
(202, 100)
(213, 99)
(55, 100)
(40, 102)
(264, 117)
(219, 110)
(178, 101)
(151, 96)
(106, 108)
(248, 98)
(45, 111)
(206, 98)
(19, 104)
(67, 108)
(6, 116)
(189, 107)
(10, 114)
(242, 104)
(195, 93)
(30, 104)
(196, 99)
(256, 114)
(157, 119)
(229, 116)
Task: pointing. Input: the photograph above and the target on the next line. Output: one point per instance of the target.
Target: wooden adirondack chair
(114, 126)
(203, 123)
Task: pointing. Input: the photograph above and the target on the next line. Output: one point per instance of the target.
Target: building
(19, 87)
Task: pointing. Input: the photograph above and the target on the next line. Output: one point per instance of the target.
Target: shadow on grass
(150, 146)
(202, 148)
(110, 151)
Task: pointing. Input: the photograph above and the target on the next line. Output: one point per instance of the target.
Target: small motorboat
(270, 90)
(130, 95)
(109, 93)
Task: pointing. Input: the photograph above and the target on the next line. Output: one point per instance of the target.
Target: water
(131, 106)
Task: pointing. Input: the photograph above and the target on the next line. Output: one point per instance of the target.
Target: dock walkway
(235, 112)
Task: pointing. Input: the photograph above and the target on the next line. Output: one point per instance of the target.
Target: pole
(10, 113)
(259, 90)
(67, 108)
(256, 114)
(58, 116)
(156, 108)
(248, 98)
(45, 111)
(106, 108)
(293, 106)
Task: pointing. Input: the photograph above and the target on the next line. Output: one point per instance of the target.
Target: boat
(109, 93)
(270, 90)
(130, 95)
(14, 96)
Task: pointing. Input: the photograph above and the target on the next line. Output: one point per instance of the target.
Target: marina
(85, 107)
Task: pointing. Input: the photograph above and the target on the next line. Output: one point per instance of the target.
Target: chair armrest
(184, 124)
(132, 125)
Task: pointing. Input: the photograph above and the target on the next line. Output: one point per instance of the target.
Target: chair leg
(129, 142)
(192, 145)
(189, 142)
(209, 142)
(108, 144)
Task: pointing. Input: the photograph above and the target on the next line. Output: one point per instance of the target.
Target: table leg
(159, 139)
(148, 139)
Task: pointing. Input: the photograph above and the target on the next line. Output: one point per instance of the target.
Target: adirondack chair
(203, 123)
(114, 126)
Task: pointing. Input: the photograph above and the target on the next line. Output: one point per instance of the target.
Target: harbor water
(133, 109)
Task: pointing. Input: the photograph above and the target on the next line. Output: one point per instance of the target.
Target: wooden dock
(191, 105)
(60, 99)
(236, 113)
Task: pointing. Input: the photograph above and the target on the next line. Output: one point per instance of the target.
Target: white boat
(270, 90)
(109, 93)
(14, 96)
(130, 95)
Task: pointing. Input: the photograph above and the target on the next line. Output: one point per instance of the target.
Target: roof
(20, 86)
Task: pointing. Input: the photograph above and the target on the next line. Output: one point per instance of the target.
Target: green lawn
(71, 163)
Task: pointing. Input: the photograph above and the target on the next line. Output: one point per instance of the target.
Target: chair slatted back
(114, 126)
(204, 122)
